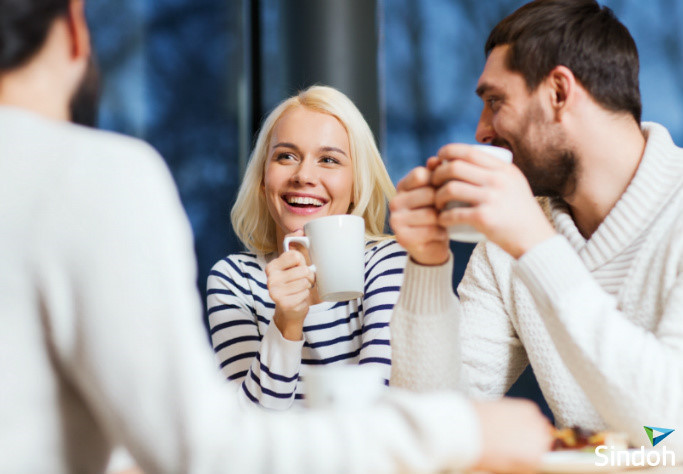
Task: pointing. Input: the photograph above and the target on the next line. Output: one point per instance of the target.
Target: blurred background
(195, 78)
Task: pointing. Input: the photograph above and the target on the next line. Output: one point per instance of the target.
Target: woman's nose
(305, 173)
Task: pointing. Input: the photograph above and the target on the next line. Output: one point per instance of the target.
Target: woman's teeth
(304, 201)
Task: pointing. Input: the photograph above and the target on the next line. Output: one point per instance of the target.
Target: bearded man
(582, 273)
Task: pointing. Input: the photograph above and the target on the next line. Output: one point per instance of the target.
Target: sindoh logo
(657, 434)
(611, 456)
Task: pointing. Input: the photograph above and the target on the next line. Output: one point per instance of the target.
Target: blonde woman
(315, 156)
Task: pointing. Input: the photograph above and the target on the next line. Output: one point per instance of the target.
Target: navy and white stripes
(252, 352)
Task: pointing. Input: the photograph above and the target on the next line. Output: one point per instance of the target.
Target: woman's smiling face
(308, 171)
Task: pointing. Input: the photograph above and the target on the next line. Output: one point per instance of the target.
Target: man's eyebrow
(481, 89)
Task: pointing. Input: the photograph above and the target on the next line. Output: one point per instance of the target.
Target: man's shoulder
(72, 154)
(71, 163)
(116, 171)
(27, 132)
(670, 219)
(102, 147)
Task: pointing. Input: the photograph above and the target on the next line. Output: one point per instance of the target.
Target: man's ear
(78, 28)
(562, 86)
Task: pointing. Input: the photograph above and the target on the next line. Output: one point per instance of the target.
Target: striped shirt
(252, 352)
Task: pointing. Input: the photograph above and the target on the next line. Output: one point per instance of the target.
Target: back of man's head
(24, 25)
(578, 34)
(24, 29)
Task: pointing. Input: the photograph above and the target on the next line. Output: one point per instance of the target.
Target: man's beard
(550, 167)
(550, 173)
(85, 101)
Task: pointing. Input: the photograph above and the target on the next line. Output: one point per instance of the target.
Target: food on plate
(585, 440)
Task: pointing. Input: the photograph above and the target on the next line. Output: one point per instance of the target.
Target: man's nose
(485, 132)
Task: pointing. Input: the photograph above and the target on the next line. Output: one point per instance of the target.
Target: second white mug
(466, 233)
(343, 386)
(336, 245)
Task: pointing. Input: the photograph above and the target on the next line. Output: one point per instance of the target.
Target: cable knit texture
(600, 320)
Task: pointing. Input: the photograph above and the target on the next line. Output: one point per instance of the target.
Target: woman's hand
(289, 284)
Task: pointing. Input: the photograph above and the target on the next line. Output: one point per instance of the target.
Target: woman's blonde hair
(372, 187)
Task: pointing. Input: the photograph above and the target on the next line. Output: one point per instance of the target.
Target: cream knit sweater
(102, 343)
(600, 321)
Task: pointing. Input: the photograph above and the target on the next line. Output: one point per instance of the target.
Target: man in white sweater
(102, 342)
(584, 283)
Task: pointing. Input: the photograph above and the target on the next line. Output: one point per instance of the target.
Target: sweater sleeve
(632, 375)
(439, 341)
(118, 272)
(265, 367)
(383, 278)
(424, 327)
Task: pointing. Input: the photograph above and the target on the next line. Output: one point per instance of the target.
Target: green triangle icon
(648, 430)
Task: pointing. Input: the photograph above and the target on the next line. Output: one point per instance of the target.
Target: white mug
(346, 386)
(336, 245)
(466, 233)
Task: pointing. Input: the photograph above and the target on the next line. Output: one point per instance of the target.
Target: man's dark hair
(24, 25)
(583, 36)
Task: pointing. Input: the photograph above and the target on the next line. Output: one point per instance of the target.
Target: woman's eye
(284, 157)
(329, 160)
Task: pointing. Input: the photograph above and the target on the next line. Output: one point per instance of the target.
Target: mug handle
(300, 240)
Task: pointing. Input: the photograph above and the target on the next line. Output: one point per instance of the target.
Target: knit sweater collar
(659, 174)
